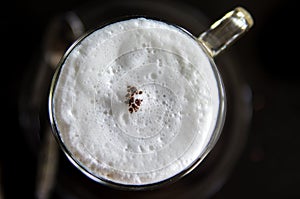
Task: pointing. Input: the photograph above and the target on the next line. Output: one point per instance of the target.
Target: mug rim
(148, 186)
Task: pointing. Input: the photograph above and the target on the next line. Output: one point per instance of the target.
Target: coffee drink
(136, 102)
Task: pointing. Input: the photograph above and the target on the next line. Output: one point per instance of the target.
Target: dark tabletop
(268, 164)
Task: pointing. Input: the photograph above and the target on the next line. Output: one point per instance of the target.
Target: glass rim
(147, 186)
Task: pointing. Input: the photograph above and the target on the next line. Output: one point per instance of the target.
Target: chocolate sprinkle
(133, 102)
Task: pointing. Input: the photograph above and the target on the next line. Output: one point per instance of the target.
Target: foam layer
(136, 102)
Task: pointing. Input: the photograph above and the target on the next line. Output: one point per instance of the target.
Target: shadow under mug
(209, 44)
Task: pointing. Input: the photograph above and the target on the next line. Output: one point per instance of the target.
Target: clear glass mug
(146, 165)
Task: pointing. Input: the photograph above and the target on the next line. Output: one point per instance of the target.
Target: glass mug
(139, 103)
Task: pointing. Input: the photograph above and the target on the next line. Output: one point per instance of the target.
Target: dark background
(268, 166)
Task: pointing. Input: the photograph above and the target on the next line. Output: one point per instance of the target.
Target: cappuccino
(136, 102)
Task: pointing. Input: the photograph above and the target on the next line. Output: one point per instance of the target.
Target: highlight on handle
(226, 30)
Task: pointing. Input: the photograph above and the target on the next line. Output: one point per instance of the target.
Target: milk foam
(178, 102)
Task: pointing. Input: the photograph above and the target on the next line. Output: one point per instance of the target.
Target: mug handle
(226, 31)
